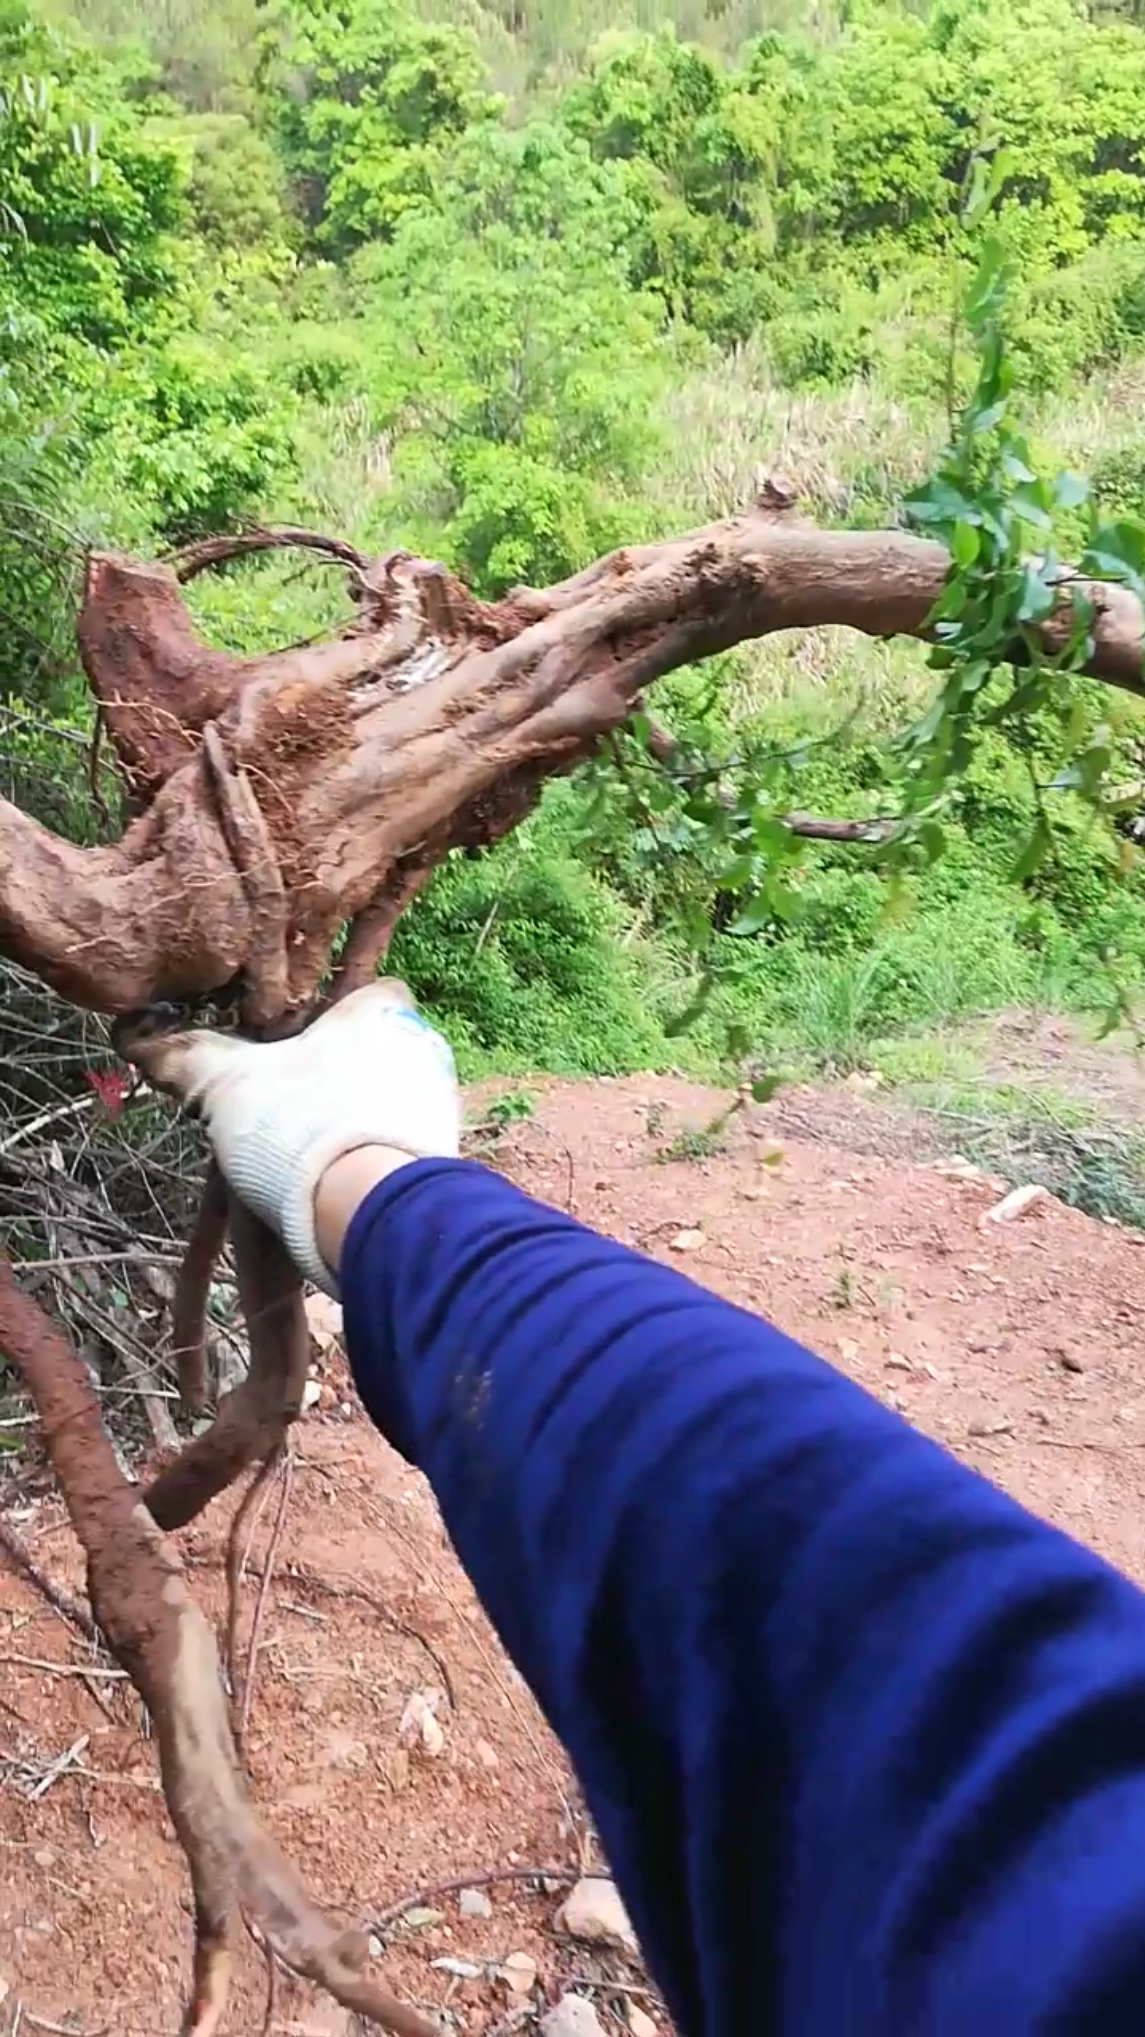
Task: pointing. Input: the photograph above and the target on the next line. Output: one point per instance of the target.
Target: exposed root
(369, 936)
(192, 1292)
(238, 1553)
(157, 1633)
(275, 799)
(253, 1420)
(323, 1586)
(261, 1602)
(215, 551)
(265, 974)
(242, 1689)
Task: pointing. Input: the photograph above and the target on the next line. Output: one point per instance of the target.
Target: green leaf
(932, 839)
(737, 873)
(683, 1020)
(758, 914)
(965, 544)
(765, 1086)
(1035, 852)
(1070, 491)
(1037, 596)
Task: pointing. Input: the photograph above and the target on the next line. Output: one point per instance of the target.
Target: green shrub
(210, 438)
(520, 520)
(822, 348)
(517, 956)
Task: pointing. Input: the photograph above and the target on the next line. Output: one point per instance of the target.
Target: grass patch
(1087, 1158)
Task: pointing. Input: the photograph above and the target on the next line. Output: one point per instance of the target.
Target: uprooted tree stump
(274, 801)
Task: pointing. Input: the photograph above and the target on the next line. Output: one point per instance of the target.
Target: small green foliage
(697, 1142)
(1012, 624)
(511, 1107)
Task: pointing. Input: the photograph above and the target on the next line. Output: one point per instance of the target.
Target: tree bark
(430, 722)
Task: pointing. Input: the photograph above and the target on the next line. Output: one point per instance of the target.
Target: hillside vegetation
(509, 284)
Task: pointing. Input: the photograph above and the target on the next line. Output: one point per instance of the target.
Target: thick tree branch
(359, 752)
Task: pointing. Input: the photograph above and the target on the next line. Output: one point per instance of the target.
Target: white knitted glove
(371, 1072)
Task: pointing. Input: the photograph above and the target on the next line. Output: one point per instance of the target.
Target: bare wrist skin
(344, 1186)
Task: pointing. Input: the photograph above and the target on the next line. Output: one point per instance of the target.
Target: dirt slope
(1019, 1346)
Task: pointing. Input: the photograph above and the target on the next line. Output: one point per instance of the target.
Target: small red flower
(110, 1087)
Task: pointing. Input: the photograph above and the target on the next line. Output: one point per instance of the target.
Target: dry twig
(485, 1878)
(61, 1601)
(286, 1467)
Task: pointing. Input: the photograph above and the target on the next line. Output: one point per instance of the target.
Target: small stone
(324, 1322)
(898, 1363)
(640, 2022)
(311, 1395)
(520, 1970)
(1071, 1362)
(460, 1969)
(376, 1948)
(1017, 1203)
(44, 1857)
(394, 1768)
(419, 1727)
(959, 1168)
(487, 1755)
(686, 1241)
(419, 1919)
(473, 1902)
(594, 1911)
(573, 2016)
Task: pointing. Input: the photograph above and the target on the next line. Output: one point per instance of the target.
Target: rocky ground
(393, 1749)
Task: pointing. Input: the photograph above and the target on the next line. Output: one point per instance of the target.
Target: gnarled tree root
(253, 1420)
(158, 1635)
(192, 1292)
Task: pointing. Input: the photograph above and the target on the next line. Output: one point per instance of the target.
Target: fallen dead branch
(28, 2019)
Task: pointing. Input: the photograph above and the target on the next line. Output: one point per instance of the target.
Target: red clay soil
(1018, 1346)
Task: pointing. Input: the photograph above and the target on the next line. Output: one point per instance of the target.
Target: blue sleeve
(864, 1741)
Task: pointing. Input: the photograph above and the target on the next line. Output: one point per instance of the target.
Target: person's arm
(864, 1741)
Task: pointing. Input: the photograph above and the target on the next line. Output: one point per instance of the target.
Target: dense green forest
(510, 283)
